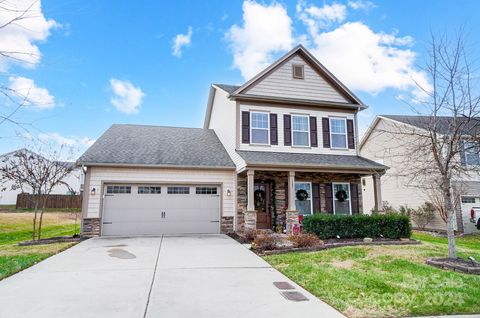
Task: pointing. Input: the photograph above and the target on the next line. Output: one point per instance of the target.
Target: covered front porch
(275, 199)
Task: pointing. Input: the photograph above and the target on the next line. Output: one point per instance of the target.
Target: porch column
(291, 213)
(377, 192)
(250, 214)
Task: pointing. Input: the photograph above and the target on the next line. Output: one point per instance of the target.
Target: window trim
(178, 186)
(332, 133)
(252, 128)
(149, 186)
(466, 152)
(349, 197)
(206, 187)
(302, 131)
(311, 194)
(293, 71)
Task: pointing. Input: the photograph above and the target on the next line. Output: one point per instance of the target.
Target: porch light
(229, 193)
(93, 191)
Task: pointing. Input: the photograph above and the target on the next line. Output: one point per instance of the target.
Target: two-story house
(281, 145)
(388, 141)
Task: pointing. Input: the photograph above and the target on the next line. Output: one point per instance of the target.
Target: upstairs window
(297, 70)
(472, 154)
(259, 128)
(300, 131)
(338, 133)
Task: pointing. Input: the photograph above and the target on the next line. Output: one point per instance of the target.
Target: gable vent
(298, 71)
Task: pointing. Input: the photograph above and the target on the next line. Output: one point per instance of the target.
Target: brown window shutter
(354, 198)
(287, 130)
(350, 134)
(328, 198)
(313, 132)
(316, 197)
(326, 132)
(245, 127)
(273, 129)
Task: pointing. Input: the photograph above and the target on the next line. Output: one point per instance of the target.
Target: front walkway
(188, 276)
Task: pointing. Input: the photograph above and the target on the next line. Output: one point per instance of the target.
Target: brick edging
(443, 264)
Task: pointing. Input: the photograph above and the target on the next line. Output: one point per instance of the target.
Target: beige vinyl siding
(100, 175)
(396, 184)
(280, 111)
(223, 121)
(280, 83)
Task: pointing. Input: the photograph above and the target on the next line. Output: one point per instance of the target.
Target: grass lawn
(17, 227)
(387, 281)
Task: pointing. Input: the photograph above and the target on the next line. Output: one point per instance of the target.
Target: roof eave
(346, 169)
(133, 165)
(306, 102)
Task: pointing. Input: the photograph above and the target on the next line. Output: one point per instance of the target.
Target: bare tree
(446, 128)
(36, 174)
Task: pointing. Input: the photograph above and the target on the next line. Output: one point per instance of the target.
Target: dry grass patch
(342, 264)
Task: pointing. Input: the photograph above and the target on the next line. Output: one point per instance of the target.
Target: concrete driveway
(171, 276)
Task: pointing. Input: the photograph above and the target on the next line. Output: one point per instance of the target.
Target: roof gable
(318, 83)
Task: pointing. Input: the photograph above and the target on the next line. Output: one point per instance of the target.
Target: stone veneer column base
(250, 220)
(226, 225)
(292, 219)
(90, 227)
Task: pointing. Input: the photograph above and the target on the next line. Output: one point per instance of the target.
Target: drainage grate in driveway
(283, 285)
(294, 296)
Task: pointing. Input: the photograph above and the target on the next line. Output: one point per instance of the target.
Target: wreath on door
(259, 198)
(302, 195)
(341, 195)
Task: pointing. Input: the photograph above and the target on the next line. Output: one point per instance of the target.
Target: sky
(85, 65)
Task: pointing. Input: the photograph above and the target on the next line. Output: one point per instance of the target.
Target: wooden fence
(54, 201)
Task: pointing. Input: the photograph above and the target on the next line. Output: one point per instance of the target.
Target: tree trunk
(41, 218)
(34, 220)
(450, 209)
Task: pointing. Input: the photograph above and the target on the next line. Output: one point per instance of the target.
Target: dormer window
(297, 71)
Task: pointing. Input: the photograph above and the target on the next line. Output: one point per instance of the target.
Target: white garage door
(130, 209)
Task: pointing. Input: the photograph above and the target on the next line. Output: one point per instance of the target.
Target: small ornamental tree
(35, 174)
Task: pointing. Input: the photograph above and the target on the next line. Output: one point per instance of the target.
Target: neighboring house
(282, 144)
(9, 196)
(386, 142)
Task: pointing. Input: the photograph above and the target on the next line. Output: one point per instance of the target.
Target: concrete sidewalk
(184, 276)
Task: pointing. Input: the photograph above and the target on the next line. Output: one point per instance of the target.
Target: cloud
(29, 94)
(66, 141)
(361, 5)
(180, 41)
(266, 30)
(126, 97)
(365, 60)
(19, 39)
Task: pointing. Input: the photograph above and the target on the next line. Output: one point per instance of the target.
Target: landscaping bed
(457, 264)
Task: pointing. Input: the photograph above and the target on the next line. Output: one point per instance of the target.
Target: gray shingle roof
(158, 145)
(309, 160)
(228, 88)
(444, 124)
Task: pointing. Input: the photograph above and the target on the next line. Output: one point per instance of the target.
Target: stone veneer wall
(226, 225)
(281, 178)
(90, 227)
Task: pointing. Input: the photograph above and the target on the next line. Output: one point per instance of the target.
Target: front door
(263, 205)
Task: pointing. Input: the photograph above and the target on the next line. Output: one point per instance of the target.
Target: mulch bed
(334, 243)
(455, 264)
(52, 240)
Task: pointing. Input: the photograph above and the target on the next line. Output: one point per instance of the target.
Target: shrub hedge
(327, 226)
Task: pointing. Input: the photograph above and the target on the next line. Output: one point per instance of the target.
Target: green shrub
(327, 226)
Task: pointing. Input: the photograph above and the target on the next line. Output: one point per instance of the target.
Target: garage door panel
(160, 213)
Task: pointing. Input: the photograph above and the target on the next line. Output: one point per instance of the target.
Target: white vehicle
(475, 216)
